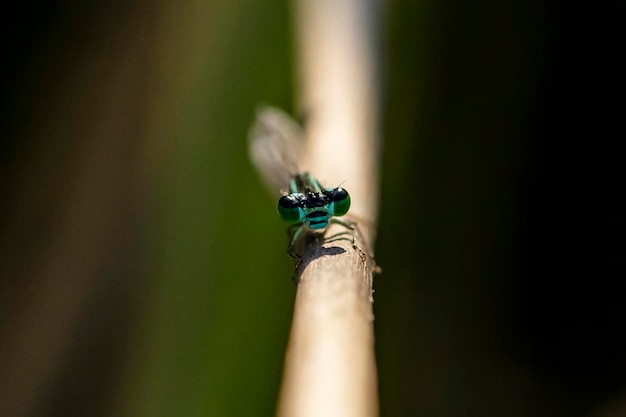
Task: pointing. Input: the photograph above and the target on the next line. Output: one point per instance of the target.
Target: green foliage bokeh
(142, 265)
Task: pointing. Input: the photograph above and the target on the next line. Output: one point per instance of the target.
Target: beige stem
(330, 368)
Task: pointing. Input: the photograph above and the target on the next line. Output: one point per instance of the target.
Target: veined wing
(275, 145)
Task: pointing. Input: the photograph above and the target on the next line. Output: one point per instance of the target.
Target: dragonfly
(276, 147)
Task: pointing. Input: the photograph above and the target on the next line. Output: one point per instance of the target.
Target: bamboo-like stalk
(330, 367)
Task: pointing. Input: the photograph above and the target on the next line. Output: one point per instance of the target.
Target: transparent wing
(276, 144)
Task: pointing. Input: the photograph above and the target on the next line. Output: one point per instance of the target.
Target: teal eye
(289, 209)
(340, 201)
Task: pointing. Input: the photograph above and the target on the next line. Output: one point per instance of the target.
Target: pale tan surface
(330, 368)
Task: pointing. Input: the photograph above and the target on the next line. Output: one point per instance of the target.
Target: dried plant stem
(330, 368)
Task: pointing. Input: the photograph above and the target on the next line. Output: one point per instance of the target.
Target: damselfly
(276, 148)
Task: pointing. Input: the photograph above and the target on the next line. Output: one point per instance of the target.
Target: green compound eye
(289, 209)
(340, 202)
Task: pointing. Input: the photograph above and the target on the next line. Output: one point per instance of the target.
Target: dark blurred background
(142, 265)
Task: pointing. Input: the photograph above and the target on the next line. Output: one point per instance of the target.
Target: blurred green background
(142, 265)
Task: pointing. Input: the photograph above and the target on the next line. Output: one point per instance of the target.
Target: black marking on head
(313, 223)
(314, 199)
(317, 214)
